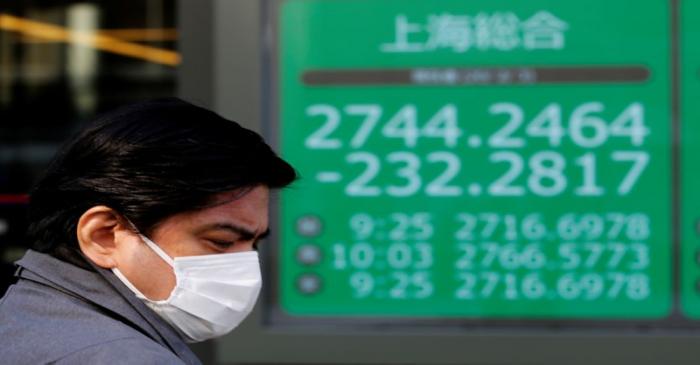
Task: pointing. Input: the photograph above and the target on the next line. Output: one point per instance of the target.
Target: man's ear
(96, 232)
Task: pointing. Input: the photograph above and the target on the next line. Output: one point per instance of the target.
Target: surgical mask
(213, 293)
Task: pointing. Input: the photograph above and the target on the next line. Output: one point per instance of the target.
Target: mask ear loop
(159, 251)
(128, 284)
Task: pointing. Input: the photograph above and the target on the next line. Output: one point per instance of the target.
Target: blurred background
(483, 182)
(61, 64)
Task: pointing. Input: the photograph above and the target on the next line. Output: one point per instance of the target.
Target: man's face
(234, 226)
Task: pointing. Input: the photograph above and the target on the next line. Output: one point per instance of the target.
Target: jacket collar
(103, 289)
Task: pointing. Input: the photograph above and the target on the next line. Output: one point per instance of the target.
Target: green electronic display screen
(487, 159)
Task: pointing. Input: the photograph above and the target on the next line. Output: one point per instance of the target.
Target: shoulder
(124, 350)
(39, 325)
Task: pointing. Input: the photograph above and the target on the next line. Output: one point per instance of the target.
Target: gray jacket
(63, 314)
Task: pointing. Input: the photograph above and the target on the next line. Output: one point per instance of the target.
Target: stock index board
(486, 159)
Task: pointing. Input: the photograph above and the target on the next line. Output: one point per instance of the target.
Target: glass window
(62, 63)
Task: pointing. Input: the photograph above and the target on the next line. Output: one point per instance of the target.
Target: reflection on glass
(60, 65)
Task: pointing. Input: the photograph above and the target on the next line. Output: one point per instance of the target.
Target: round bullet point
(309, 226)
(309, 284)
(308, 254)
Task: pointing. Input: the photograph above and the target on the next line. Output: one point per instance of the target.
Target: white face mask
(212, 294)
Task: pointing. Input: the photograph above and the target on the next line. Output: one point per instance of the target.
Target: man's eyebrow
(245, 233)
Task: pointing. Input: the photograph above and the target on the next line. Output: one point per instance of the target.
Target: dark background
(45, 97)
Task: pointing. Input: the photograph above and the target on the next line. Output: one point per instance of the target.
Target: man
(144, 230)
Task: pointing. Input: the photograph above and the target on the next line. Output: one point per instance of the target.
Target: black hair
(148, 161)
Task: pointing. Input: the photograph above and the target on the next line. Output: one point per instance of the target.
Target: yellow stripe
(133, 35)
(102, 42)
(144, 35)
